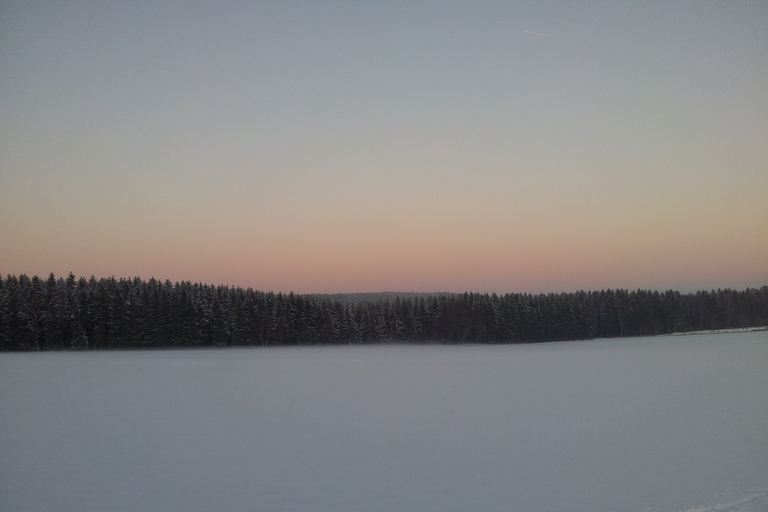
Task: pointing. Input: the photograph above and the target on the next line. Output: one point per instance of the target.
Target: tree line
(71, 313)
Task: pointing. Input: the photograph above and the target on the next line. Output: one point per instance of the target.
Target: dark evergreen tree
(65, 314)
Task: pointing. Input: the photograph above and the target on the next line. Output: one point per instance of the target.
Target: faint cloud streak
(540, 34)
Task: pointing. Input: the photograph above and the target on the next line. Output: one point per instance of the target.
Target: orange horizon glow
(397, 151)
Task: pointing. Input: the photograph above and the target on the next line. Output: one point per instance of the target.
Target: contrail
(539, 34)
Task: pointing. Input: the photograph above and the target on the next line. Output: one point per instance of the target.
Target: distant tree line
(71, 313)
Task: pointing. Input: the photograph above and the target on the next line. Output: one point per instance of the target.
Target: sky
(387, 146)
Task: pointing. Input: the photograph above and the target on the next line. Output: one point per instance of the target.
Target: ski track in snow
(753, 501)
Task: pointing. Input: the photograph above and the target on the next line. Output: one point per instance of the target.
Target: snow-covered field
(662, 424)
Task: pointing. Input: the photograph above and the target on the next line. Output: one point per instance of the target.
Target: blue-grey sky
(359, 146)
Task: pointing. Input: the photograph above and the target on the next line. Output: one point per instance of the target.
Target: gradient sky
(370, 146)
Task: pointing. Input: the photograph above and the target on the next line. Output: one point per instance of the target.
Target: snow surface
(668, 424)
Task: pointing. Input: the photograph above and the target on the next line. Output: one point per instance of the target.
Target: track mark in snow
(751, 503)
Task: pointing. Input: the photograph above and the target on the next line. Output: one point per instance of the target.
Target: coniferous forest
(71, 313)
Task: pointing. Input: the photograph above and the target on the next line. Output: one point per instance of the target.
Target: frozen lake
(662, 424)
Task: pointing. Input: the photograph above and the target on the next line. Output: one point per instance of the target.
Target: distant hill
(358, 298)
